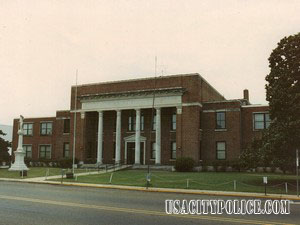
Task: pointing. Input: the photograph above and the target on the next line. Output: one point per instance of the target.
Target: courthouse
(146, 121)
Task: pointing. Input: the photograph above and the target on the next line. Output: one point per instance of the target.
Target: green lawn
(245, 182)
(33, 172)
(37, 172)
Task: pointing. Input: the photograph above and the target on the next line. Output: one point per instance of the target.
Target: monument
(19, 164)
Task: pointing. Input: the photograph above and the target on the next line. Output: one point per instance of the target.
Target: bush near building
(184, 164)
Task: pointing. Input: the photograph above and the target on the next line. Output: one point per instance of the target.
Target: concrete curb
(164, 190)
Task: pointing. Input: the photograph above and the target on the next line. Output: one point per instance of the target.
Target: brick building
(146, 121)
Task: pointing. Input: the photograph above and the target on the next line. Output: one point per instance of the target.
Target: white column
(100, 138)
(118, 137)
(157, 138)
(138, 137)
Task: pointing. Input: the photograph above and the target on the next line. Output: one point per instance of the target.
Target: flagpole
(75, 117)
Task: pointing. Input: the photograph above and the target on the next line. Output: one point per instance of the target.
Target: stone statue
(19, 164)
(21, 123)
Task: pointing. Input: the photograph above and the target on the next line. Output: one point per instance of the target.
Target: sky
(44, 42)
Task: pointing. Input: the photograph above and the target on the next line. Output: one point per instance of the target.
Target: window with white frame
(45, 152)
(221, 149)
(220, 120)
(28, 151)
(46, 128)
(28, 129)
(261, 121)
(173, 125)
(173, 150)
(153, 150)
(132, 120)
(154, 122)
(66, 152)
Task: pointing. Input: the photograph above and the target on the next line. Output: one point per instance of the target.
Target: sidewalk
(42, 180)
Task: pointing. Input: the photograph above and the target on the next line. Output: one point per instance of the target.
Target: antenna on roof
(74, 138)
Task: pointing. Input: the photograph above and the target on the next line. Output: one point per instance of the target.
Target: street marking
(139, 211)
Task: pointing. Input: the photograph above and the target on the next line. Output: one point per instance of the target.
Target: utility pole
(297, 170)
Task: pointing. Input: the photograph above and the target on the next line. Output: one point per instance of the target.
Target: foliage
(184, 164)
(251, 157)
(283, 94)
(4, 155)
(66, 163)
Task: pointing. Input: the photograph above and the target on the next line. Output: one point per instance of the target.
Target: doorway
(131, 153)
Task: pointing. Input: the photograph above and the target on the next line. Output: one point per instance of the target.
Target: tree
(4, 156)
(283, 94)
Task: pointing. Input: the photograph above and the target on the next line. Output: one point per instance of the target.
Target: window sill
(220, 130)
(173, 131)
(173, 160)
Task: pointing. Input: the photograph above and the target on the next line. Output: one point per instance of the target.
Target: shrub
(184, 164)
(66, 163)
(236, 165)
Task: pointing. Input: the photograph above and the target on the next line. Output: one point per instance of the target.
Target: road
(41, 204)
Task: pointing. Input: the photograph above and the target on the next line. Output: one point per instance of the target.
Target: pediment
(131, 138)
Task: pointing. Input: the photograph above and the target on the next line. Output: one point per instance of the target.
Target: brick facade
(196, 134)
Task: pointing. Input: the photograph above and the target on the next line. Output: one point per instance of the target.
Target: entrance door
(131, 153)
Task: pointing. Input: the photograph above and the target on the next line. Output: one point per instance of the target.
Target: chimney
(246, 94)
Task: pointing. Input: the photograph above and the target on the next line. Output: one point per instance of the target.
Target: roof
(159, 91)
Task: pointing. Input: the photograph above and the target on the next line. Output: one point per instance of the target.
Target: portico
(133, 100)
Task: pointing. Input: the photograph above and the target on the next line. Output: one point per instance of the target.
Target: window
(66, 126)
(45, 151)
(221, 150)
(173, 150)
(154, 122)
(220, 120)
(132, 120)
(173, 127)
(46, 128)
(28, 151)
(261, 121)
(114, 150)
(153, 152)
(28, 129)
(66, 153)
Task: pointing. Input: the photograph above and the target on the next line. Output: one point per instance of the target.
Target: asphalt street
(27, 203)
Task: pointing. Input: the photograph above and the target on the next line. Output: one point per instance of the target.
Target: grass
(33, 172)
(220, 181)
(36, 172)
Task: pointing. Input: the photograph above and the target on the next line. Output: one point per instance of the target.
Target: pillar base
(19, 164)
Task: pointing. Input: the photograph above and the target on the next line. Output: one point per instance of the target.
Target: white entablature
(133, 100)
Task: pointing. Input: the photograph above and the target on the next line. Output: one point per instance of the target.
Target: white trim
(222, 110)
(62, 118)
(192, 104)
(132, 103)
(254, 106)
(261, 112)
(220, 130)
(224, 101)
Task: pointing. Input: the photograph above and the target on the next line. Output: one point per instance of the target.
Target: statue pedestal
(19, 164)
